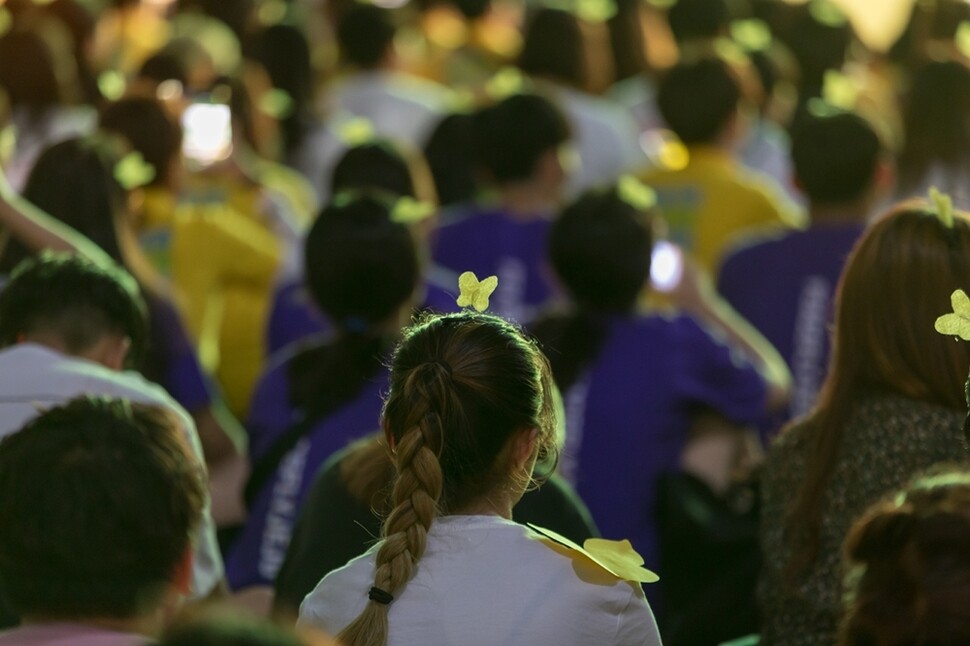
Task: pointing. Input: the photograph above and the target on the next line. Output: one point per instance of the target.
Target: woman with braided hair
(469, 414)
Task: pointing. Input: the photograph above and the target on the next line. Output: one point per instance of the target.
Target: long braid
(417, 492)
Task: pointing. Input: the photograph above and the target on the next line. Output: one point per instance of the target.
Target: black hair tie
(380, 596)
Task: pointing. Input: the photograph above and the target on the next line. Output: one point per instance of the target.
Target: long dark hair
(74, 181)
(361, 269)
(896, 282)
(600, 249)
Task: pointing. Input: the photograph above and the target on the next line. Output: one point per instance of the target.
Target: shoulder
(340, 596)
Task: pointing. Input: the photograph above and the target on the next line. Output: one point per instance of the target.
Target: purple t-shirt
(294, 316)
(490, 242)
(258, 552)
(784, 286)
(171, 360)
(629, 414)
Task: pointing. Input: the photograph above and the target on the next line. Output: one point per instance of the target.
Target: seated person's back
(470, 411)
(363, 271)
(708, 201)
(69, 327)
(519, 143)
(784, 285)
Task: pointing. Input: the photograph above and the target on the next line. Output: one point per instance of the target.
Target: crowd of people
(372, 323)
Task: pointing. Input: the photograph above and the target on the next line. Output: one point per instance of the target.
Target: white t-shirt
(607, 139)
(34, 377)
(398, 105)
(486, 580)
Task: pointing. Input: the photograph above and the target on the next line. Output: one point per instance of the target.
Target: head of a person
(553, 48)
(600, 247)
(75, 306)
(362, 267)
(896, 282)
(699, 100)
(75, 182)
(151, 131)
(120, 477)
(383, 165)
(469, 411)
(472, 9)
(284, 52)
(365, 35)
(38, 72)
(164, 65)
(627, 41)
(837, 158)
(819, 37)
(698, 19)
(908, 566)
(450, 153)
(520, 140)
(935, 126)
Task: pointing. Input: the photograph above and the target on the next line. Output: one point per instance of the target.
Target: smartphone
(666, 266)
(206, 132)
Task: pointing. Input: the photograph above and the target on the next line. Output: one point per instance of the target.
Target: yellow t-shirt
(713, 202)
(223, 263)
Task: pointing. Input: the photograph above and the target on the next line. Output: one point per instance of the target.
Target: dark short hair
(514, 134)
(835, 156)
(98, 499)
(375, 165)
(697, 99)
(75, 299)
(698, 18)
(145, 124)
(361, 265)
(600, 248)
(364, 33)
(553, 47)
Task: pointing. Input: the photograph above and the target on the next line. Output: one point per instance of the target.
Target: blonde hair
(461, 386)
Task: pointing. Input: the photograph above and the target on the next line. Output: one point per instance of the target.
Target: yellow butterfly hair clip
(132, 171)
(474, 292)
(635, 193)
(943, 206)
(506, 82)
(356, 131)
(957, 323)
(409, 211)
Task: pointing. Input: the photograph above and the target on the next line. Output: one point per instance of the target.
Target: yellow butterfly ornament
(616, 557)
(956, 323)
(474, 292)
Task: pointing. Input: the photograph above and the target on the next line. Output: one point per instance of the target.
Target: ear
(182, 575)
(884, 176)
(116, 352)
(524, 445)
